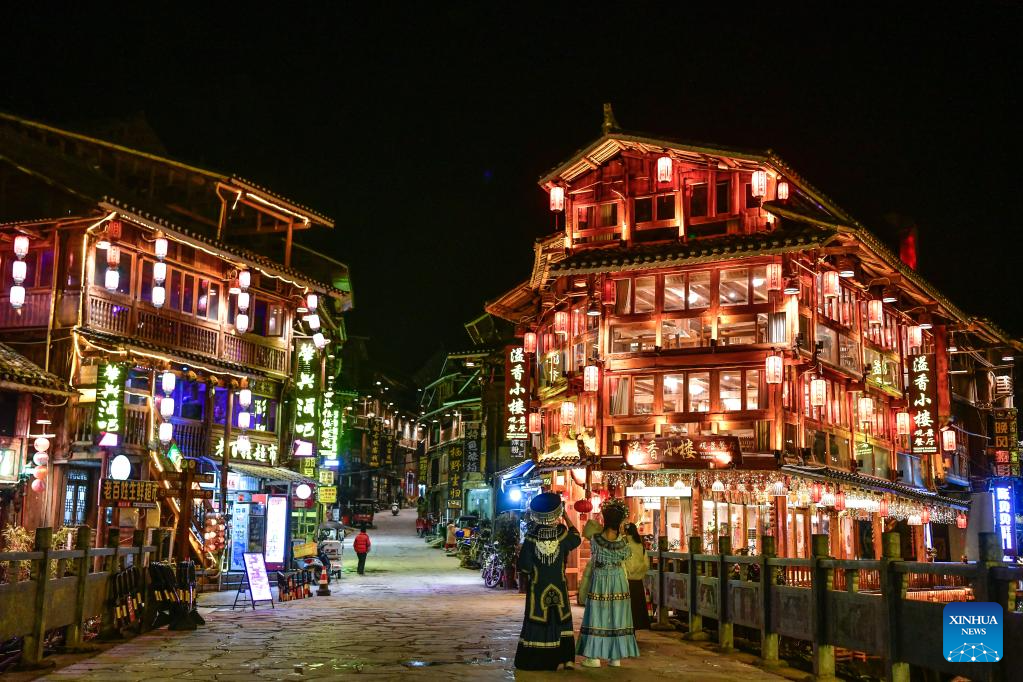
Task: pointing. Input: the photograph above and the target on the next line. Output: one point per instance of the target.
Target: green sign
(330, 422)
(307, 394)
(109, 417)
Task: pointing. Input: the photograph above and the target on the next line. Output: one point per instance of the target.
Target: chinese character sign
(373, 442)
(473, 443)
(109, 416)
(140, 494)
(516, 382)
(1005, 515)
(330, 422)
(307, 393)
(456, 473)
(922, 405)
(1005, 442)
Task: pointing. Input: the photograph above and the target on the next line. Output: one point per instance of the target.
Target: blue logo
(972, 632)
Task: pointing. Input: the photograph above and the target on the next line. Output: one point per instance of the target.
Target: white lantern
(167, 382)
(830, 287)
(717, 487)
(312, 301)
(314, 322)
(40, 459)
(244, 279)
(775, 281)
(245, 398)
(758, 183)
(319, 340)
(166, 406)
(557, 198)
(166, 432)
(774, 369)
(244, 420)
(303, 491)
(159, 296)
(113, 256)
(914, 337)
(818, 392)
(902, 420)
(17, 296)
(41, 444)
(567, 413)
(865, 408)
(875, 313)
(112, 279)
(241, 323)
(948, 440)
(243, 301)
(120, 468)
(664, 169)
(19, 269)
(160, 247)
(159, 273)
(783, 190)
(779, 488)
(243, 445)
(21, 246)
(591, 378)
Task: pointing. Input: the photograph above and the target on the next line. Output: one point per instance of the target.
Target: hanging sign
(137, 494)
(683, 452)
(1006, 442)
(307, 394)
(374, 442)
(265, 453)
(921, 404)
(424, 464)
(455, 475)
(389, 447)
(330, 422)
(276, 531)
(109, 417)
(516, 381)
(327, 495)
(259, 583)
(1005, 516)
(326, 477)
(473, 443)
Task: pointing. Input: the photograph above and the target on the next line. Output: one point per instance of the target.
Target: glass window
(687, 333)
(644, 210)
(45, 268)
(699, 391)
(734, 287)
(739, 330)
(731, 390)
(698, 200)
(674, 292)
(208, 305)
(584, 217)
(608, 215)
(623, 296)
(828, 337)
(723, 197)
(759, 282)
(839, 451)
(643, 396)
(751, 201)
(645, 294)
(752, 389)
(188, 302)
(100, 271)
(619, 388)
(666, 207)
(189, 399)
(146, 285)
(264, 414)
(699, 290)
(673, 393)
(633, 338)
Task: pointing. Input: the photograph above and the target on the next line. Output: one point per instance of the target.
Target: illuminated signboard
(516, 381)
(259, 583)
(1005, 516)
(138, 494)
(375, 431)
(307, 393)
(330, 421)
(455, 474)
(110, 404)
(257, 452)
(276, 530)
(921, 403)
(683, 452)
(472, 447)
(1005, 443)
(327, 495)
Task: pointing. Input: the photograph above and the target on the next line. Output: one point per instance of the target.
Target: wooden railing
(35, 312)
(136, 426)
(81, 422)
(190, 437)
(888, 608)
(245, 352)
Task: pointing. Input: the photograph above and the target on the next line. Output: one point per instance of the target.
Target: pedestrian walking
(420, 526)
(361, 545)
(546, 640)
(607, 630)
(636, 567)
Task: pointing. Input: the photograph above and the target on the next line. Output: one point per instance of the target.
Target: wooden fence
(33, 603)
(888, 608)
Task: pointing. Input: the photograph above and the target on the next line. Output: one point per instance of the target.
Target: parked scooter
(394, 508)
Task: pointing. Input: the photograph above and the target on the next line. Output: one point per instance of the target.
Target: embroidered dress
(607, 622)
(546, 640)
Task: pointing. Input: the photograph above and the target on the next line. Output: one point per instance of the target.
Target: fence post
(726, 631)
(662, 610)
(821, 582)
(991, 553)
(32, 653)
(73, 638)
(695, 619)
(109, 626)
(768, 639)
(893, 591)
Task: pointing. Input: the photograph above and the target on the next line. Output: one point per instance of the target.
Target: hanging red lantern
(961, 520)
(775, 281)
(902, 423)
(561, 322)
(875, 313)
(830, 287)
(865, 408)
(840, 500)
(664, 169)
(529, 343)
(610, 296)
(948, 440)
(758, 183)
(914, 337)
(583, 506)
(591, 378)
(815, 493)
(883, 511)
(557, 198)
(774, 369)
(818, 392)
(925, 516)
(534, 422)
(783, 190)
(567, 413)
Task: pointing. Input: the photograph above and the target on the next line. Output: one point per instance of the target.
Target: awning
(272, 475)
(519, 471)
(876, 484)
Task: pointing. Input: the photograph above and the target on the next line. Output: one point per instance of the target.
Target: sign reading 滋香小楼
(922, 436)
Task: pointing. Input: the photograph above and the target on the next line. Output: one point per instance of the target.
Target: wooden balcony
(183, 332)
(135, 434)
(35, 312)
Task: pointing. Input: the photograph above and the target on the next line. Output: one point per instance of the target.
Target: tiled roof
(789, 237)
(872, 483)
(17, 371)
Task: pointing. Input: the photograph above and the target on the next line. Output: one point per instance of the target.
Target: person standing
(607, 630)
(546, 639)
(420, 526)
(361, 545)
(636, 567)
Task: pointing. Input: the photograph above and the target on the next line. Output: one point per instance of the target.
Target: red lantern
(815, 493)
(583, 506)
(610, 296)
(664, 169)
(818, 392)
(948, 440)
(758, 183)
(775, 281)
(567, 413)
(840, 501)
(875, 313)
(557, 198)
(925, 517)
(774, 369)
(529, 343)
(902, 423)
(830, 287)
(591, 378)
(534, 422)
(561, 322)
(883, 512)
(961, 520)
(783, 190)
(865, 408)
(914, 337)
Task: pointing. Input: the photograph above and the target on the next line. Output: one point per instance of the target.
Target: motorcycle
(493, 568)
(394, 509)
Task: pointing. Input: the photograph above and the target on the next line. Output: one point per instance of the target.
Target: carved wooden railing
(108, 316)
(190, 437)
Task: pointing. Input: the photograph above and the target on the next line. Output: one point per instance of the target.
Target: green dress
(546, 640)
(607, 630)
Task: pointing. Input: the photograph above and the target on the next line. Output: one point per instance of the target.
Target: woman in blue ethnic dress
(546, 640)
(607, 630)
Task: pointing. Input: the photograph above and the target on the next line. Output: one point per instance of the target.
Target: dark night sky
(423, 133)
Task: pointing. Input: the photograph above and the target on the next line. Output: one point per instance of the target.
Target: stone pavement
(414, 614)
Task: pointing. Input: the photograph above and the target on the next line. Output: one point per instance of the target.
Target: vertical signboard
(1005, 515)
(276, 531)
(239, 532)
(388, 446)
(455, 474)
(516, 382)
(473, 445)
(373, 439)
(109, 417)
(922, 405)
(1005, 444)
(307, 394)
(330, 422)
(424, 464)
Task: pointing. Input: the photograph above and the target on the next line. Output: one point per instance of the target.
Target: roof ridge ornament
(610, 122)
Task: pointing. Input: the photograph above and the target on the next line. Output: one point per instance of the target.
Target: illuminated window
(689, 332)
(643, 396)
(730, 387)
(699, 391)
(674, 393)
(734, 288)
(633, 338)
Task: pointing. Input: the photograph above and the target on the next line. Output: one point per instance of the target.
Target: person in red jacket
(420, 526)
(361, 546)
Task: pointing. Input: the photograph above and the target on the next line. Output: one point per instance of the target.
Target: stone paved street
(414, 613)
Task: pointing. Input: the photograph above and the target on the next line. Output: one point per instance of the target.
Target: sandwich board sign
(256, 581)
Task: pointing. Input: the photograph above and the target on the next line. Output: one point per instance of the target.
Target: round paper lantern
(818, 392)
(561, 322)
(120, 468)
(40, 459)
(914, 337)
(830, 287)
(591, 378)
(865, 408)
(21, 246)
(783, 190)
(758, 183)
(303, 491)
(243, 445)
(875, 313)
(19, 269)
(244, 298)
(840, 500)
(168, 381)
(313, 321)
(245, 398)
(961, 520)
(319, 340)
(717, 487)
(244, 279)
(166, 432)
(883, 511)
(925, 516)
(41, 444)
(583, 506)
(159, 273)
(160, 247)
(534, 422)
(166, 407)
(112, 279)
(948, 440)
(39, 473)
(38, 486)
(567, 413)
(815, 493)
(312, 301)
(902, 423)
(244, 420)
(17, 296)
(664, 169)
(775, 280)
(241, 323)
(159, 296)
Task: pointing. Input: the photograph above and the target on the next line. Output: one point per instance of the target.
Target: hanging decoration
(818, 392)
(534, 422)
(758, 183)
(19, 269)
(914, 338)
(159, 293)
(902, 423)
(529, 343)
(591, 378)
(568, 413)
(961, 520)
(557, 198)
(561, 322)
(875, 313)
(664, 169)
(948, 440)
(113, 276)
(783, 190)
(865, 409)
(774, 369)
(168, 381)
(830, 287)
(775, 279)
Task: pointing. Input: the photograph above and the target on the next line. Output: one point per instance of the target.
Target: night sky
(423, 132)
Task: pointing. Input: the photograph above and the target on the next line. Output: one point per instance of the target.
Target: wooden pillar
(822, 581)
(769, 640)
(32, 652)
(893, 590)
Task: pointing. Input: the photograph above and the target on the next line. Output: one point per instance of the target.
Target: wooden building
(181, 306)
(714, 337)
